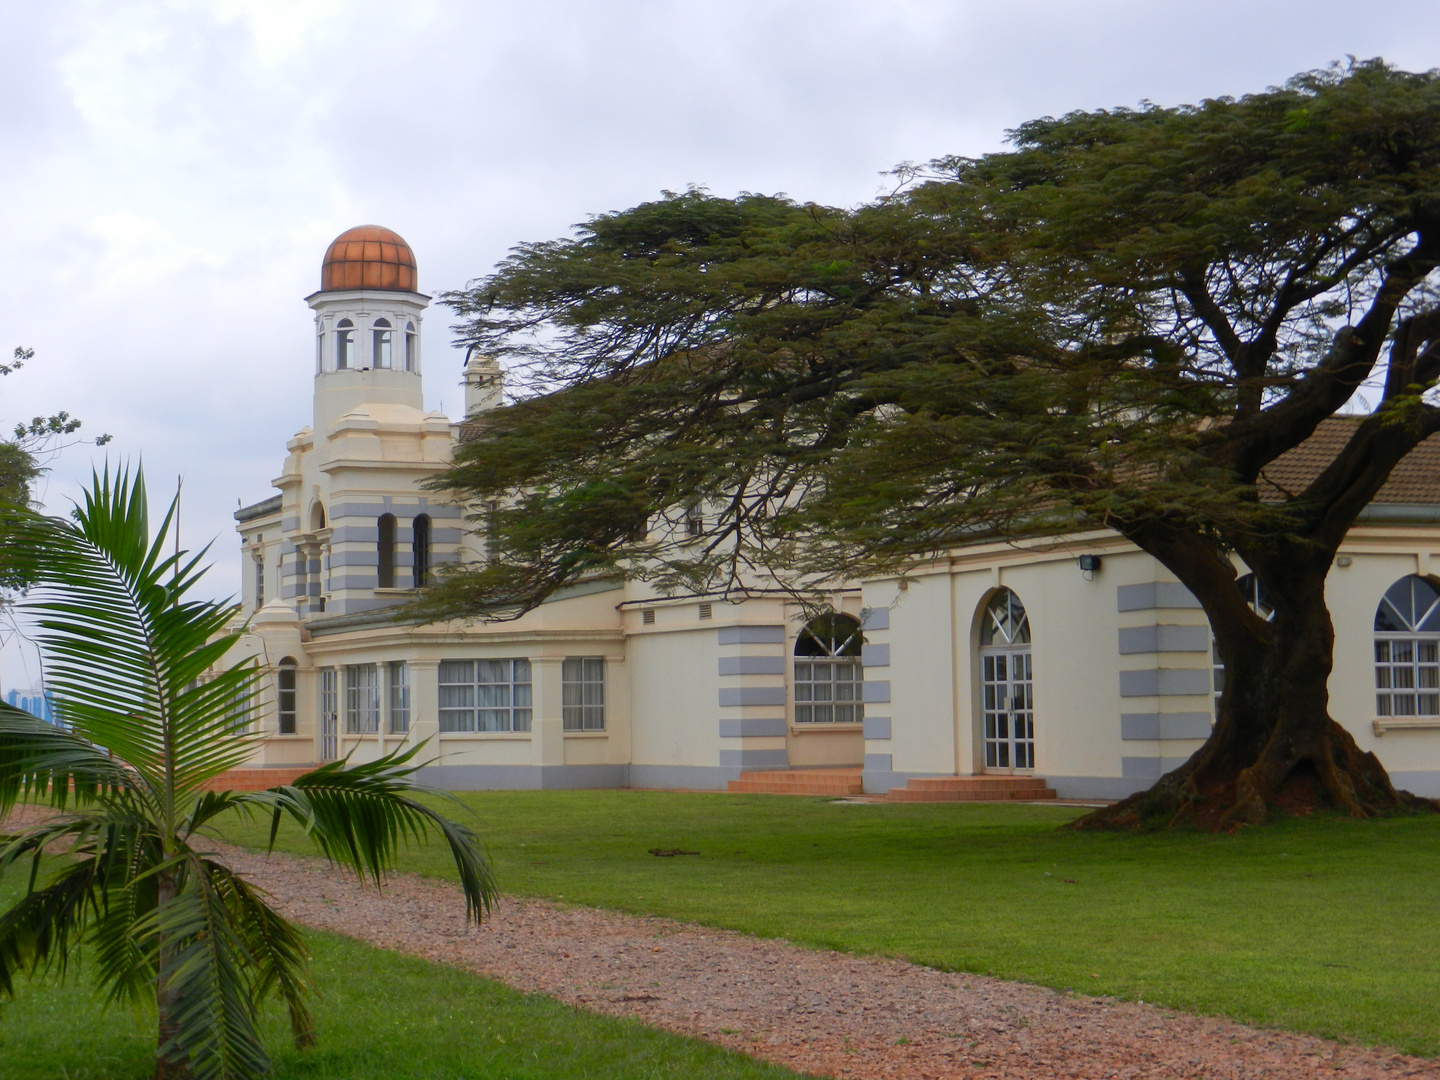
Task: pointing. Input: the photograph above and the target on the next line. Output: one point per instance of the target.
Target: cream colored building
(1081, 660)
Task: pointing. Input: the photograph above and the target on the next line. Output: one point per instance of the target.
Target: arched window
(1006, 684)
(829, 681)
(412, 348)
(317, 517)
(380, 343)
(319, 352)
(344, 344)
(420, 547)
(285, 687)
(385, 551)
(1407, 649)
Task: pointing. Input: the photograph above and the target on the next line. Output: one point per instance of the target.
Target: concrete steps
(971, 789)
(834, 782)
(257, 777)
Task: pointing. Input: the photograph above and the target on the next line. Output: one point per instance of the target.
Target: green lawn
(378, 1015)
(1326, 926)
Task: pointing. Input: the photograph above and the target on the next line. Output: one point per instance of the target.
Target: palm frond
(124, 649)
(39, 761)
(277, 949)
(42, 929)
(204, 979)
(360, 816)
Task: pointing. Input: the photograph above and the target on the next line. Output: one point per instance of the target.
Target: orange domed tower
(368, 257)
(367, 324)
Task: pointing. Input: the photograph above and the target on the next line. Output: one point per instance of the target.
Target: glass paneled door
(1009, 711)
(329, 714)
(1006, 687)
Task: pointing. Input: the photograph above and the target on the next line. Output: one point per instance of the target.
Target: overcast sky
(171, 171)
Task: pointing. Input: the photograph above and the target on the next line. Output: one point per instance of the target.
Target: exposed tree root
(1217, 792)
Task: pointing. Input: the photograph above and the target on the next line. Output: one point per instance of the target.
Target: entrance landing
(972, 789)
(839, 782)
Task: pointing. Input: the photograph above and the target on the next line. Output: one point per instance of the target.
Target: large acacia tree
(1121, 322)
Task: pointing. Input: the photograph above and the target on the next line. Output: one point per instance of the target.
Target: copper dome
(369, 257)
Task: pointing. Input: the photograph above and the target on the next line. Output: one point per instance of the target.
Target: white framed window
(1407, 649)
(381, 337)
(259, 579)
(582, 693)
(412, 348)
(238, 713)
(362, 699)
(485, 695)
(398, 676)
(1007, 682)
(829, 679)
(285, 695)
(344, 344)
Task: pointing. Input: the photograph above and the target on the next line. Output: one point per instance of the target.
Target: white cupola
(368, 315)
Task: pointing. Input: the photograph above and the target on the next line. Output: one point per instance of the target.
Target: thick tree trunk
(1274, 746)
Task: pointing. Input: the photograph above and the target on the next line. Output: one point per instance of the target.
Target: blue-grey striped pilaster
(752, 662)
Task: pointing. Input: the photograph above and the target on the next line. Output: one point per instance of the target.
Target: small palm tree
(126, 783)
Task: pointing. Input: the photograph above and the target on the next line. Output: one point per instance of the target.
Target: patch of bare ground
(825, 1013)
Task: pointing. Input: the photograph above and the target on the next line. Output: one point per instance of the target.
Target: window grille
(648, 617)
(485, 695)
(362, 700)
(707, 611)
(582, 693)
(399, 679)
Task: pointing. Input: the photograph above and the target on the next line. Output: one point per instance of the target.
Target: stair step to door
(257, 778)
(972, 789)
(834, 782)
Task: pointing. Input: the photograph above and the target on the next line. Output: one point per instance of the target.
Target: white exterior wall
(1121, 657)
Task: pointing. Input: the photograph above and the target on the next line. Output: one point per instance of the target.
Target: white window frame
(829, 684)
(397, 678)
(362, 699)
(582, 693)
(1407, 659)
(1007, 681)
(494, 696)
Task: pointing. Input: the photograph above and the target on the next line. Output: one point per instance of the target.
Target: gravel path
(826, 1013)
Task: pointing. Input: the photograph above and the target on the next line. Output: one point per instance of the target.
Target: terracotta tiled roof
(1415, 481)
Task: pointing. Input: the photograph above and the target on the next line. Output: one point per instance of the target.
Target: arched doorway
(1006, 685)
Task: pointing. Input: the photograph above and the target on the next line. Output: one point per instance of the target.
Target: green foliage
(382, 1015)
(1322, 925)
(149, 724)
(1120, 322)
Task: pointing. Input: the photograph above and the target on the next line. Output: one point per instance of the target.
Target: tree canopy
(1120, 322)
